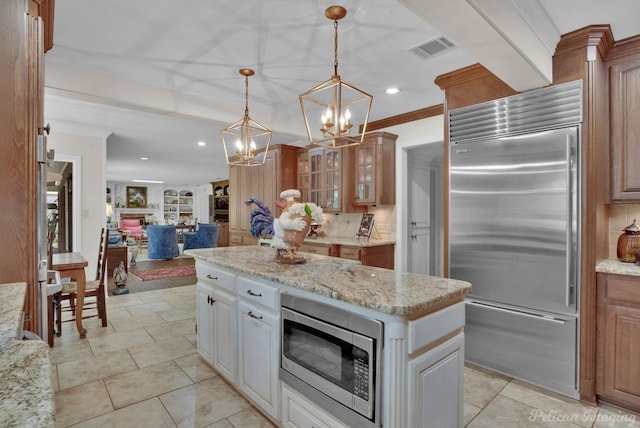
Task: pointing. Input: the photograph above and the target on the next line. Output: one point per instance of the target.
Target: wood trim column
(580, 55)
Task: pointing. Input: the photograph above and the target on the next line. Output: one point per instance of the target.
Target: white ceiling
(159, 76)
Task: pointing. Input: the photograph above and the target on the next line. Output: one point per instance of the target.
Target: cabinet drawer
(323, 250)
(350, 252)
(298, 412)
(432, 327)
(235, 239)
(625, 289)
(215, 276)
(258, 292)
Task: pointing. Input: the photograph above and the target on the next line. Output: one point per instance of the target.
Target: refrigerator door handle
(536, 316)
(569, 279)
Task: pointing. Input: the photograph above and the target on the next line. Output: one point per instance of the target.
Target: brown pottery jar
(629, 243)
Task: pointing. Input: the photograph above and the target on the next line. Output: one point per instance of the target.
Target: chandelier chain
(246, 96)
(335, 48)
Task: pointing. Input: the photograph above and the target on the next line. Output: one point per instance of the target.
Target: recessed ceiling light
(392, 91)
(202, 143)
(148, 181)
(144, 158)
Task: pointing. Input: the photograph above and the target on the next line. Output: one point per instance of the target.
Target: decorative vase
(295, 238)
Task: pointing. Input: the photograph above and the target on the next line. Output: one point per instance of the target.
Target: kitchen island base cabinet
(436, 386)
(422, 351)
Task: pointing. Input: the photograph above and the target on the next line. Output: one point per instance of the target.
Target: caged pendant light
(331, 108)
(246, 142)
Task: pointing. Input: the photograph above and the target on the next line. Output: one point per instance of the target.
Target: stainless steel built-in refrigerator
(514, 232)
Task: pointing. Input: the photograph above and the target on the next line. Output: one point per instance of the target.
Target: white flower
(299, 208)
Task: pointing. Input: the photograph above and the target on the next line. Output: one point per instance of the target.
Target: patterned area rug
(164, 273)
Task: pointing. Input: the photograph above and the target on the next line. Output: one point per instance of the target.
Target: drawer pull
(212, 277)
(254, 316)
(251, 293)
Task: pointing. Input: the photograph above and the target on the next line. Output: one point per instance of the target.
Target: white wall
(91, 152)
(412, 134)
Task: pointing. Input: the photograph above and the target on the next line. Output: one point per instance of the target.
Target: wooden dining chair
(95, 288)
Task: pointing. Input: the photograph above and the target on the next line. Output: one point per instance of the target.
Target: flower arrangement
(307, 208)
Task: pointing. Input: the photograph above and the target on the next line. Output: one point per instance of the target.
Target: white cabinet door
(435, 387)
(259, 356)
(224, 340)
(204, 305)
(419, 255)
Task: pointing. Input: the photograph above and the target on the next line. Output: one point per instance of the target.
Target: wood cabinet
(303, 182)
(331, 180)
(262, 182)
(618, 338)
(625, 129)
(223, 235)
(220, 197)
(375, 169)
(26, 30)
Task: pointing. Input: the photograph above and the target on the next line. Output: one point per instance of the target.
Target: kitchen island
(26, 390)
(240, 334)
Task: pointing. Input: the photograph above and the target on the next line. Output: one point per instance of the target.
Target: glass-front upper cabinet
(325, 175)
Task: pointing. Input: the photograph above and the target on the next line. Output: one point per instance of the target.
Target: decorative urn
(629, 243)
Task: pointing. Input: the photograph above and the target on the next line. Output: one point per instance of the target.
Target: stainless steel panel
(552, 107)
(536, 347)
(511, 206)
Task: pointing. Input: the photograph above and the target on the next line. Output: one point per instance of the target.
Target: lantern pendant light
(246, 142)
(331, 108)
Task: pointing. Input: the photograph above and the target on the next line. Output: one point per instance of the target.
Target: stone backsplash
(345, 225)
(620, 216)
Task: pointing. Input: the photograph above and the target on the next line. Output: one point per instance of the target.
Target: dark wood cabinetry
(625, 129)
(26, 29)
(375, 170)
(618, 340)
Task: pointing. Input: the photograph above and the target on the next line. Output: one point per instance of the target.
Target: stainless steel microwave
(333, 357)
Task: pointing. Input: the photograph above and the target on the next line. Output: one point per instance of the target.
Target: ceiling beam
(503, 35)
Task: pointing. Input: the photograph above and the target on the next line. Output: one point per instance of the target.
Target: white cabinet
(217, 331)
(299, 412)
(224, 340)
(419, 258)
(258, 347)
(436, 390)
(205, 321)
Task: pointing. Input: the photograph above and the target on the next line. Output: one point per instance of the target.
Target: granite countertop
(26, 391)
(355, 242)
(383, 290)
(618, 267)
(11, 307)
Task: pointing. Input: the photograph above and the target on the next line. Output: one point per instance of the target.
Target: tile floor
(143, 370)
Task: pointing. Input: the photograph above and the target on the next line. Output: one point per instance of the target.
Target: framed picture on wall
(136, 197)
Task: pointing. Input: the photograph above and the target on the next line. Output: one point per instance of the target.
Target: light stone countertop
(346, 280)
(26, 391)
(11, 307)
(618, 267)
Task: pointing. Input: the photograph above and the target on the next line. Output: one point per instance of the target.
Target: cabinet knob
(251, 293)
(210, 300)
(46, 129)
(215, 278)
(257, 317)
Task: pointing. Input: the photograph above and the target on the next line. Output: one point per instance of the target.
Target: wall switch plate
(384, 228)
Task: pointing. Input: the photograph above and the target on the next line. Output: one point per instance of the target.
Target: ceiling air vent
(432, 47)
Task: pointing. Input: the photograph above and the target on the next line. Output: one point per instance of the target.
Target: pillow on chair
(133, 226)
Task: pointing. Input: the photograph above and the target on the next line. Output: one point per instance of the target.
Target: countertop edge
(618, 268)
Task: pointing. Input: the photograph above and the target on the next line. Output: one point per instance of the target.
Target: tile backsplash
(620, 216)
(345, 225)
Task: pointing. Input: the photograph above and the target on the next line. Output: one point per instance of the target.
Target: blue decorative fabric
(205, 237)
(162, 241)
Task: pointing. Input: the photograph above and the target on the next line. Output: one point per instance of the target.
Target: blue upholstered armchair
(162, 241)
(205, 237)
